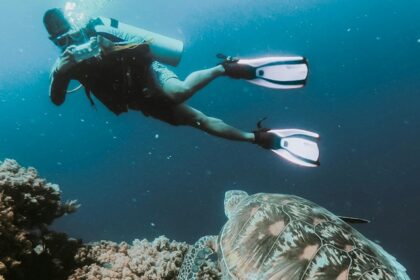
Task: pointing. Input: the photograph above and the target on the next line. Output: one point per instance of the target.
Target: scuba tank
(164, 49)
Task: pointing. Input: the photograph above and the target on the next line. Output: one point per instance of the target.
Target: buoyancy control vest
(118, 79)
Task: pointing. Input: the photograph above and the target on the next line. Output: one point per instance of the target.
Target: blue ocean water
(139, 178)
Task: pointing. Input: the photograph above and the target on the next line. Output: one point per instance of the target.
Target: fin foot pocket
(237, 70)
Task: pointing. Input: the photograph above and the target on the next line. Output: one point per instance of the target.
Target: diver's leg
(173, 89)
(186, 115)
(178, 91)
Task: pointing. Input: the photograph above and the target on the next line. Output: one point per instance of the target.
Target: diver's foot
(236, 70)
(267, 140)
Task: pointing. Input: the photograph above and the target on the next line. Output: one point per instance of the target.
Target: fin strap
(260, 127)
(227, 59)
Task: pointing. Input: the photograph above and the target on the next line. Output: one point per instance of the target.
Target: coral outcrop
(29, 250)
(142, 260)
(28, 204)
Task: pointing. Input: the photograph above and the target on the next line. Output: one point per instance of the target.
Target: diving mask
(73, 37)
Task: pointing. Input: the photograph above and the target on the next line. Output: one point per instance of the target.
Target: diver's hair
(56, 22)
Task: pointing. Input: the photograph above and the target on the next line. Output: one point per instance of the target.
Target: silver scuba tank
(164, 49)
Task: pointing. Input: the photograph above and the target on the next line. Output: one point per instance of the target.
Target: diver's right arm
(60, 77)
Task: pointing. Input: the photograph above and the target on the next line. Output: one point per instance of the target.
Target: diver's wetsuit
(122, 80)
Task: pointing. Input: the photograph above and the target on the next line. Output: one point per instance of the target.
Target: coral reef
(143, 260)
(29, 250)
(28, 204)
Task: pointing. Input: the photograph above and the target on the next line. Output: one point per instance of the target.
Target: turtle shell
(274, 236)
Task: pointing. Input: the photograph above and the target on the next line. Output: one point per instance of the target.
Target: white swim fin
(297, 146)
(276, 72)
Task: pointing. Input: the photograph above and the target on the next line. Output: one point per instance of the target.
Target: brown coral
(28, 204)
(142, 260)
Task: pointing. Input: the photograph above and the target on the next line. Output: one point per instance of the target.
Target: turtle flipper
(196, 257)
(354, 220)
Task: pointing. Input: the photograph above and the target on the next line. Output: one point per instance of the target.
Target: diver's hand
(66, 62)
(106, 46)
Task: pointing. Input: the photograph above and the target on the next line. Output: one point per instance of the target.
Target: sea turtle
(285, 237)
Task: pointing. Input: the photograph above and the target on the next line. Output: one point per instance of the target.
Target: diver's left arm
(58, 90)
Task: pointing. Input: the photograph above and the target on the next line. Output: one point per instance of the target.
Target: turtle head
(232, 199)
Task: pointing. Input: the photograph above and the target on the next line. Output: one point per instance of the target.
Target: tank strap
(87, 92)
(90, 26)
(114, 23)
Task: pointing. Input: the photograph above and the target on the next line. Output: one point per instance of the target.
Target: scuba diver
(123, 67)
